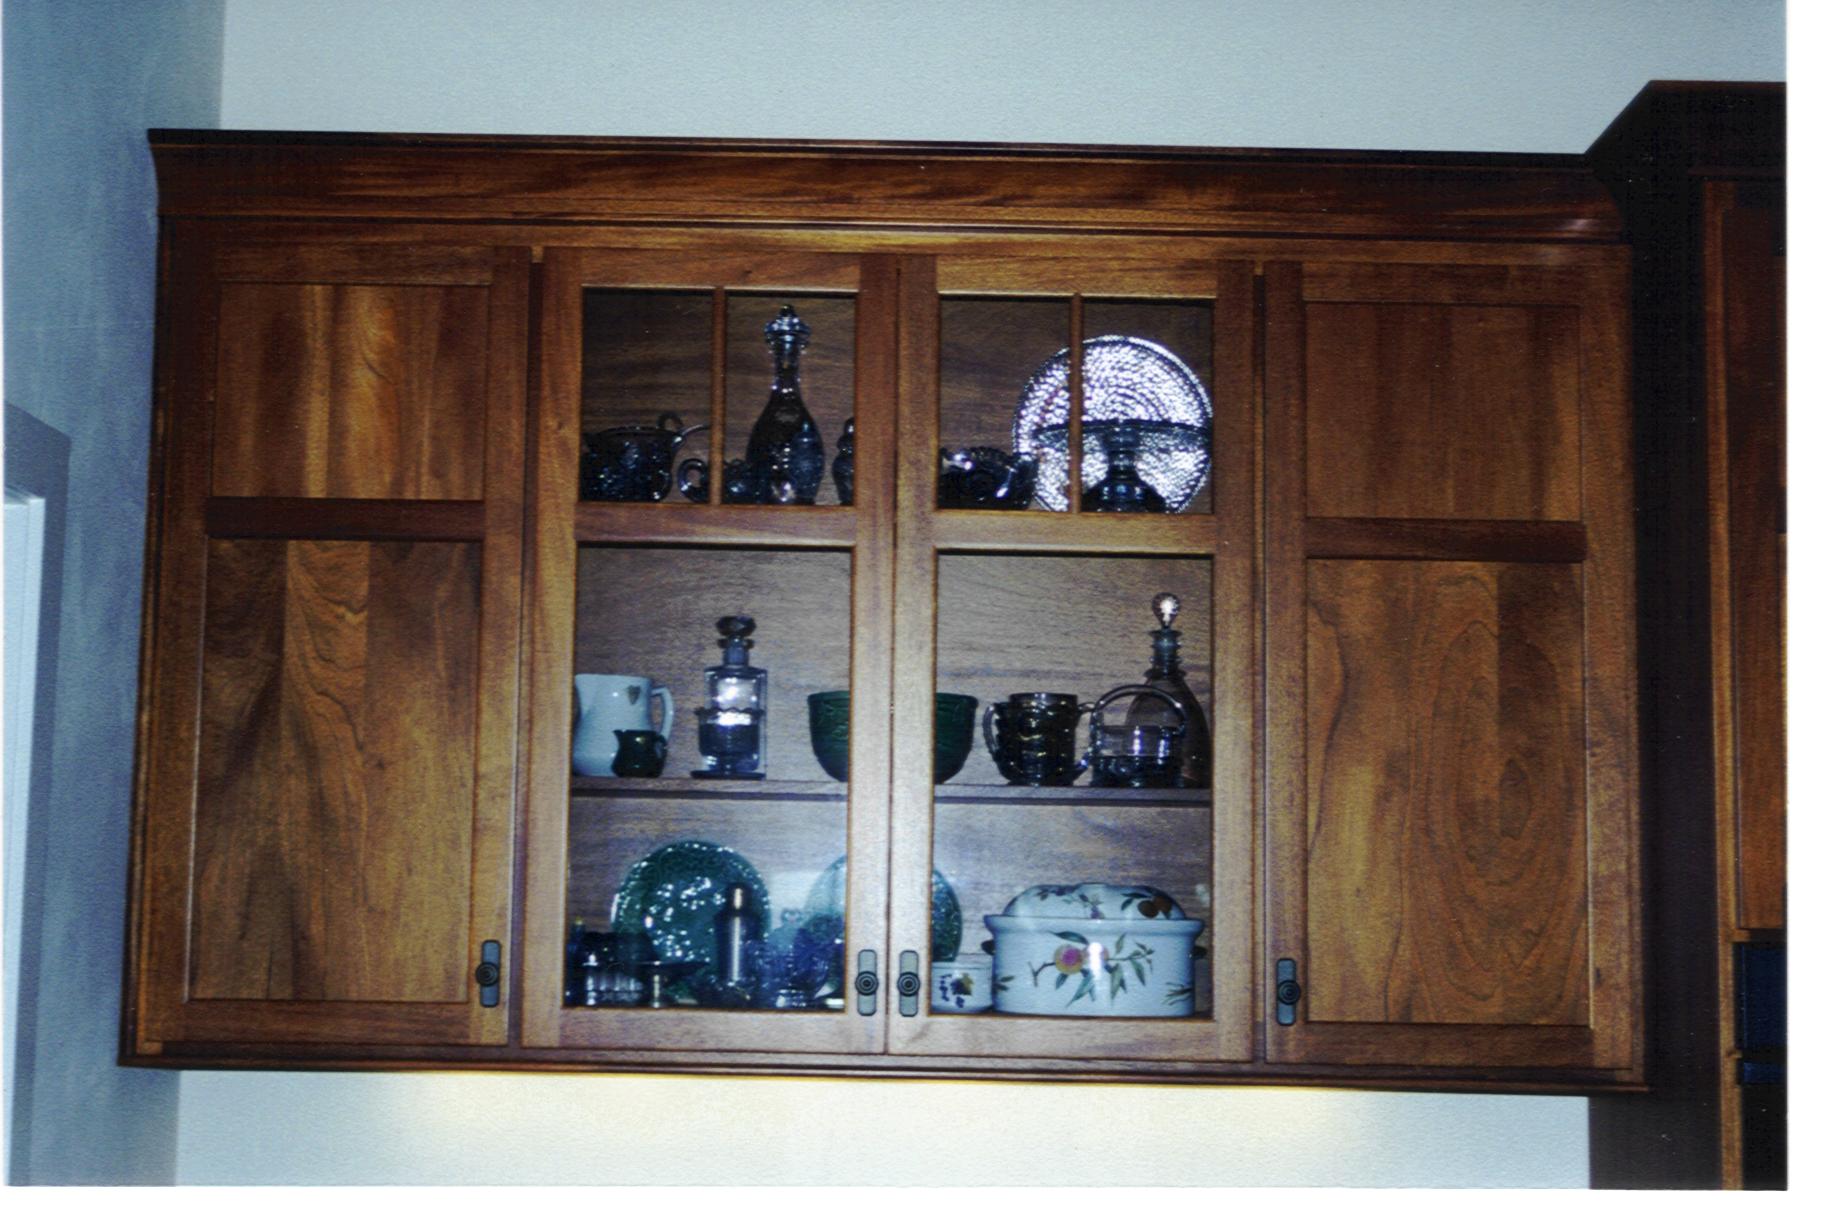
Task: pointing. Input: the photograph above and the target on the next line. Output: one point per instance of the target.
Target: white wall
(1525, 75)
(83, 82)
(1464, 75)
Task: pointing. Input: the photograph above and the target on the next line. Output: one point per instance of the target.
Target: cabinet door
(331, 678)
(649, 804)
(1451, 853)
(1000, 595)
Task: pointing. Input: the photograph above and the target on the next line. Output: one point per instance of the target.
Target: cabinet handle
(909, 983)
(1286, 992)
(487, 974)
(867, 983)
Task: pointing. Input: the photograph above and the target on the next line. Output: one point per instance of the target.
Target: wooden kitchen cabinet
(1405, 575)
(328, 725)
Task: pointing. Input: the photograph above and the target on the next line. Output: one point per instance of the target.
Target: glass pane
(646, 391)
(708, 813)
(1147, 405)
(990, 350)
(791, 392)
(1079, 849)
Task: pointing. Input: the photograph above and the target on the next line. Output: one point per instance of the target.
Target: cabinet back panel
(652, 612)
(351, 391)
(333, 820)
(1445, 775)
(1442, 411)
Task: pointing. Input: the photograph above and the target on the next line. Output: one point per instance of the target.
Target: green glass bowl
(955, 733)
(830, 732)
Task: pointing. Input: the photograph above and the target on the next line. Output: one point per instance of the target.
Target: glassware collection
(1145, 426)
(1163, 742)
(691, 923)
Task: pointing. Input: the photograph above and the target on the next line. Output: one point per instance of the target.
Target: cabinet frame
(952, 216)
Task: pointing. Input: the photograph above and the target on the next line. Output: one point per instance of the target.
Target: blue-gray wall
(83, 81)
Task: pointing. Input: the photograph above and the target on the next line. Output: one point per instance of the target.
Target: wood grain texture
(345, 518)
(620, 180)
(1746, 350)
(1445, 872)
(1467, 540)
(1442, 411)
(1555, 984)
(339, 684)
(197, 944)
(333, 390)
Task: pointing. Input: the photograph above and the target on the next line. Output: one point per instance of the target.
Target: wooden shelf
(685, 523)
(1070, 795)
(712, 790)
(708, 789)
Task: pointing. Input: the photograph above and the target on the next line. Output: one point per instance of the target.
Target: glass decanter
(1123, 489)
(785, 448)
(1167, 675)
(731, 728)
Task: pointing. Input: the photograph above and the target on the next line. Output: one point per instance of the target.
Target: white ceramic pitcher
(607, 704)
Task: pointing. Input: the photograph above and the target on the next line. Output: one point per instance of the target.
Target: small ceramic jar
(963, 984)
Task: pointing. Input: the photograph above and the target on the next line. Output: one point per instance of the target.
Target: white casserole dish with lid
(1094, 950)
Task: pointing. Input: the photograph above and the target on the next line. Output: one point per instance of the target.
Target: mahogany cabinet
(1405, 570)
(1699, 170)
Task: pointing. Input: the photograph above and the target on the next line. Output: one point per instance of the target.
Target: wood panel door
(1452, 836)
(328, 735)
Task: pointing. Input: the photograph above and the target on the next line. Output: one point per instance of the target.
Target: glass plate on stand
(1128, 380)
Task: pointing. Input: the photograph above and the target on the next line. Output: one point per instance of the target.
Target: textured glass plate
(946, 914)
(680, 887)
(1124, 380)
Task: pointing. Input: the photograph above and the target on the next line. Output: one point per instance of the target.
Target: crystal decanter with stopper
(731, 728)
(1167, 675)
(785, 448)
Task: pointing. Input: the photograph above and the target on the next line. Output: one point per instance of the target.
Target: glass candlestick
(731, 727)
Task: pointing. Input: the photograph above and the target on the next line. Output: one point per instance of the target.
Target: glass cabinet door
(712, 631)
(1074, 656)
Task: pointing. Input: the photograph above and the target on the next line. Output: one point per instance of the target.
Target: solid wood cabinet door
(1451, 858)
(328, 726)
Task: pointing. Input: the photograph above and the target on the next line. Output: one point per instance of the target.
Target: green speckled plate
(679, 886)
(826, 899)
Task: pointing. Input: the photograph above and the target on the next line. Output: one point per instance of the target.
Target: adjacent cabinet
(406, 384)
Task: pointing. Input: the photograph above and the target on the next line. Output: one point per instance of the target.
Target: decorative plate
(946, 914)
(679, 886)
(1124, 380)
